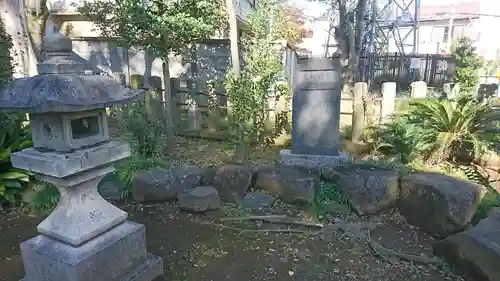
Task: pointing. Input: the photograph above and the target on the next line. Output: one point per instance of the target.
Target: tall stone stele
(85, 238)
(315, 115)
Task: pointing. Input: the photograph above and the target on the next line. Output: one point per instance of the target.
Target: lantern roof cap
(62, 85)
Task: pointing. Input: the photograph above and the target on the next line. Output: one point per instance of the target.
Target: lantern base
(117, 255)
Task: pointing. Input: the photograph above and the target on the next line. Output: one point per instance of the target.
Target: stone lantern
(85, 237)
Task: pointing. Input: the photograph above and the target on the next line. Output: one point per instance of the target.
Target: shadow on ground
(194, 251)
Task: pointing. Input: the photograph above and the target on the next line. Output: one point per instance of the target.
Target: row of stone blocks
(117, 255)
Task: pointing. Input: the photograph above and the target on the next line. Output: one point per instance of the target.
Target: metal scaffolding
(392, 26)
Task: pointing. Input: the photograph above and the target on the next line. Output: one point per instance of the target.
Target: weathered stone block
(370, 191)
(232, 182)
(61, 165)
(199, 199)
(290, 184)
(475, 251)
(312, 161)
(189, 176)
(257, 200)
(439, 205)
(113, 256)
(164, 184)
(110, 187)
(154, 185)
(81, 213)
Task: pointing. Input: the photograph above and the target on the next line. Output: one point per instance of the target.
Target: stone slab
(316, 107)
(117, 255)
(61, 165)
(288, 158)
(257, 200)
(475, 251)
(149, 270)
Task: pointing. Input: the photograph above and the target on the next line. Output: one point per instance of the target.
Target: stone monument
(315, 115)
(85, 238)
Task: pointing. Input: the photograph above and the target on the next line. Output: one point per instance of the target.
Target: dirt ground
(197, 251)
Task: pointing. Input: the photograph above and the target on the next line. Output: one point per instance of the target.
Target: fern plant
(401, 139)
(13, 137)
(460, 129)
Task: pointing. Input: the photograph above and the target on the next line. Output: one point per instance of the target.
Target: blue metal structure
(392, 26)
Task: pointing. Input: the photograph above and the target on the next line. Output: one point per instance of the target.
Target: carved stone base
(82, 213)
(313, 161)
(117, 255)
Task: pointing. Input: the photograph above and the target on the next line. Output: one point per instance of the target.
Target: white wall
(486, 27)
(313, 11)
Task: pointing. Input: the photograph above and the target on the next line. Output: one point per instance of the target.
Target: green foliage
(262, 77)
(6, 66)
(143, 129)
(329, 199)
(14, 136)
(400, 139)
(159, 26)
(468, 63)
(490, 200)
(450, 128)
(45, 199)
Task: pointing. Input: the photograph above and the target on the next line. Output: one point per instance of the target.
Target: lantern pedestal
(118, 254)
(85, 237)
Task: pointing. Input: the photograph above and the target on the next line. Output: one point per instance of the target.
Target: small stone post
(194, 118)
(455, 91)
(388, 101)
(358, 110)
(194, 114)
(418, 89)
(85, 237)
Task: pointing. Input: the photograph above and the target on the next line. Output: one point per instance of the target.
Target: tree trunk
(235, 59)
(168, 107)
(15, 21)
(358, 110)
(350, 39)
(37, 14)
(233, 37)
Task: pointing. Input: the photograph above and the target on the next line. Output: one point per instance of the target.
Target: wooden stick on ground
(382, 251)
(282, 230)
(274, 219)
(246, 218)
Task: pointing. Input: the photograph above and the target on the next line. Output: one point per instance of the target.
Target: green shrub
(6, 66)
(13, 135)
(490, 200)
(329, 199)
(457, 130)
(468, 63)
(400, 139)
(144, 129)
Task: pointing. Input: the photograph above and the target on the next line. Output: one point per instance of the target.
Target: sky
(316, 9)
(440, 2)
